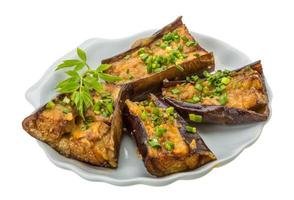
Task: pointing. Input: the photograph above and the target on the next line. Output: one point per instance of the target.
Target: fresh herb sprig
(82, 79)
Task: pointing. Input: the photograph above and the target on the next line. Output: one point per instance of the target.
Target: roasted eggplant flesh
(170, 47)
(166, 143)
(94, 140)
(242, 89)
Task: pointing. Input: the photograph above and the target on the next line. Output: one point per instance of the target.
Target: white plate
(227, 142)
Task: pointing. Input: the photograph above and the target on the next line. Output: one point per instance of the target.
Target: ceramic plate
(227, 142)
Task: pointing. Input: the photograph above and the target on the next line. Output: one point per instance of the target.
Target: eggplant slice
(171, 53)
(95, 141)
(163, 139)
(243, 99)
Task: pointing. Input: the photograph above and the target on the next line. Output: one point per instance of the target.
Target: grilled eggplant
(170, 53)
(225, 97)
(95, 140)
(165, 141)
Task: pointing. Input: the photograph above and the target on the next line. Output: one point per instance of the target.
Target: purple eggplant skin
(162, 166)
(221, 114)
(154, 81)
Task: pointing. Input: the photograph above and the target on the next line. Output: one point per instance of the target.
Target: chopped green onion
(191, 43)
(170, 110)
(180, 48)
(191, 129)
(149, 68)
(196, 99)
(163, 45)
(197, 55)
(179, 67)
(168, 145)
(223, 100)
(50, 105)
(66, 110)
(195, 118)
(154, 143)
(159, 131)
(185, 38)
(144, 115)
(198, 87)
(175, 91)
(144, 56)
(109, 107)
(206, 74)
(66, 100)
(127, 57)
(225, 80)
(141, 50)
(155, 111)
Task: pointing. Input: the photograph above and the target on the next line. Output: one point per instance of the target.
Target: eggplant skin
(153, 82)
(169, 163)
(222, 114)
(80, 149)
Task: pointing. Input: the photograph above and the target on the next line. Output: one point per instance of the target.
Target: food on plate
(225, 97)
(171, 53)
(165, 141)
(84, 121)
(86, 118)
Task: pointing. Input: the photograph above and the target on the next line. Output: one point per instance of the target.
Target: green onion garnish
(50, 105)
(225, 80)
(191, 129)
(198, 87)
(191, 43)
(168, 145)
(195, 118)
(223, 99)
(159, 131)
(154, 143)
(144, 115)
(170, 110)
(175, 91)
(66, 100)
(66, 110)
(185, 38)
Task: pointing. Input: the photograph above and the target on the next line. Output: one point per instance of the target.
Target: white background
(35, 33)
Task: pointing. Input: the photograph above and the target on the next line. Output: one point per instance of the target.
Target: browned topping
(88, 140)
(242, 89)
(162, 128)
(170, 50)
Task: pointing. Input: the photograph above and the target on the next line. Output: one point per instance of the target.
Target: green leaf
(75, 97)
(69, 87)
(72, 62)
(80, 105)
(68, 63)
(109, 78)
(87, 98)
(92, 83)
(103, 67)
(63, 65)
(82, 54)
(79, 66)
(73, 74)
(66, 82)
